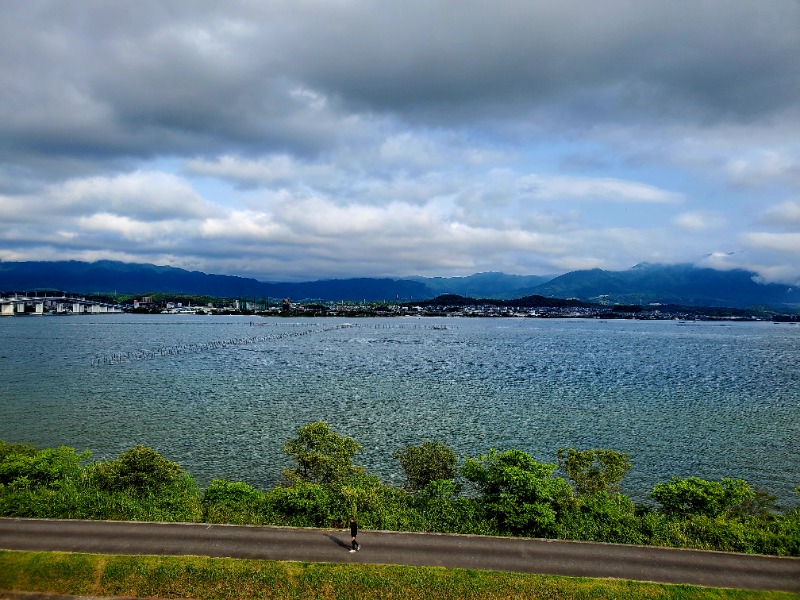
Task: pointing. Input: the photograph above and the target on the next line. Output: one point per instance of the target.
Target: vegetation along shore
(498, 493)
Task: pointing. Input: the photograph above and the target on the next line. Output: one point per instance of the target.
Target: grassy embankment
(221, 578)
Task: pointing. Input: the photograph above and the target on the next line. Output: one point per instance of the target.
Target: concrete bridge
(51, 302)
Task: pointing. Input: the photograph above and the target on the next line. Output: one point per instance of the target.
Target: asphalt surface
(664, 565)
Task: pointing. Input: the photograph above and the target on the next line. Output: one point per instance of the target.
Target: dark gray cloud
(104, 79)
(699, 60)
(323, 138)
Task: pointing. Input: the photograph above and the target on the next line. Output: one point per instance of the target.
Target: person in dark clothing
(354, 534)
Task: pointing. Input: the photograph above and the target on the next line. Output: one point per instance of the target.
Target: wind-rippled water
(220, 395)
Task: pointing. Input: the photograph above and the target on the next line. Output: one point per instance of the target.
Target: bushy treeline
(499, 493)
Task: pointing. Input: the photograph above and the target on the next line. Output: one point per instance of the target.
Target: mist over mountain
(642, 284)
(671, 284)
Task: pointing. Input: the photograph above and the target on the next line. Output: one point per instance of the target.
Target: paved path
(641, 563)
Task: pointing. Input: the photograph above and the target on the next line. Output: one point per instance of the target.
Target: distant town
(450, 305)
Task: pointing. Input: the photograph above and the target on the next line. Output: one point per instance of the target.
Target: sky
(299, 140)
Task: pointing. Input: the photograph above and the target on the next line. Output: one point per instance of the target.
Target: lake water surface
(220, 395)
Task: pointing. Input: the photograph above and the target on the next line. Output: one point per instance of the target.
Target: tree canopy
(597, 470)
(698, 496)
(323, 456)
(426, 463)
(520, 492)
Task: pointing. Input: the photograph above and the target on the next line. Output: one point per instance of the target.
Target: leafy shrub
(783, 535)
(602, 517)
(378, 506)
(232, 502)
(303, 504)
(20, 449)
(232, 492)
(521, 494)
(430, 461)
(323, 456)
(592, 471)
(140, 469)
(511, 494)
(700, 497)
(24, 466)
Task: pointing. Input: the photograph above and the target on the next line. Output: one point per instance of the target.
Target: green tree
(521, 494)
(596, 470)
(23, 465)
(700, 497)
(426, 463)
(323, 456)
(140, 469)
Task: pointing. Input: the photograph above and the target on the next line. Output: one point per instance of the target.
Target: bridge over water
(51, 302)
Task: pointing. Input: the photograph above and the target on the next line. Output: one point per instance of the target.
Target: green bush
(597, 470)
(378, 506)
(140, 469)
(695, 496)
(510, 493)
(179, 502)
(303, 504)
(601, 517)
(323, 456)
(782, 536)
(24, 466)
(7, 450)
(456, 515)
(521, 494)
(232, 502)
(430, 461)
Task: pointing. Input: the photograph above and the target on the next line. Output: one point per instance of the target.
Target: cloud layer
(310, 139)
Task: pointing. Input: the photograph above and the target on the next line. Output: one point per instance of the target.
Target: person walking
(354, 534)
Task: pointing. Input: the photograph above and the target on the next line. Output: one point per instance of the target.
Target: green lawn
(221, 578)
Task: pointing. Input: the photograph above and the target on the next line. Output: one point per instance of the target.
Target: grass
(222, 578)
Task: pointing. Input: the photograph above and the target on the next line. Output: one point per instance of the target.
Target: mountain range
(643, 284)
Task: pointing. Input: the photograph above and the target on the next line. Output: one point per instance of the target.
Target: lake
(220, 395)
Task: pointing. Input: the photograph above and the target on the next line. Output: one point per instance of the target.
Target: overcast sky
(300, 140)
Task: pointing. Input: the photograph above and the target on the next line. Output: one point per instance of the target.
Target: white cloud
(700, 221)
(417, 152)
(781, 242)
(126, 228)
(784, 215)
(777, 273)
(276, 169)
(147, 195)
(766, 167)
(245, 226)
(601, 189)
(723, 261)
(769, 267)
(15, 209)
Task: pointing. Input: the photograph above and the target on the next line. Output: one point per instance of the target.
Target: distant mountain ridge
(643, 284)
(485, 285)
(110, 277)
(671, 284)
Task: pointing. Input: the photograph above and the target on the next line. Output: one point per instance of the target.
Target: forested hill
(644, 284)
(109, 277)
(672, 284)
